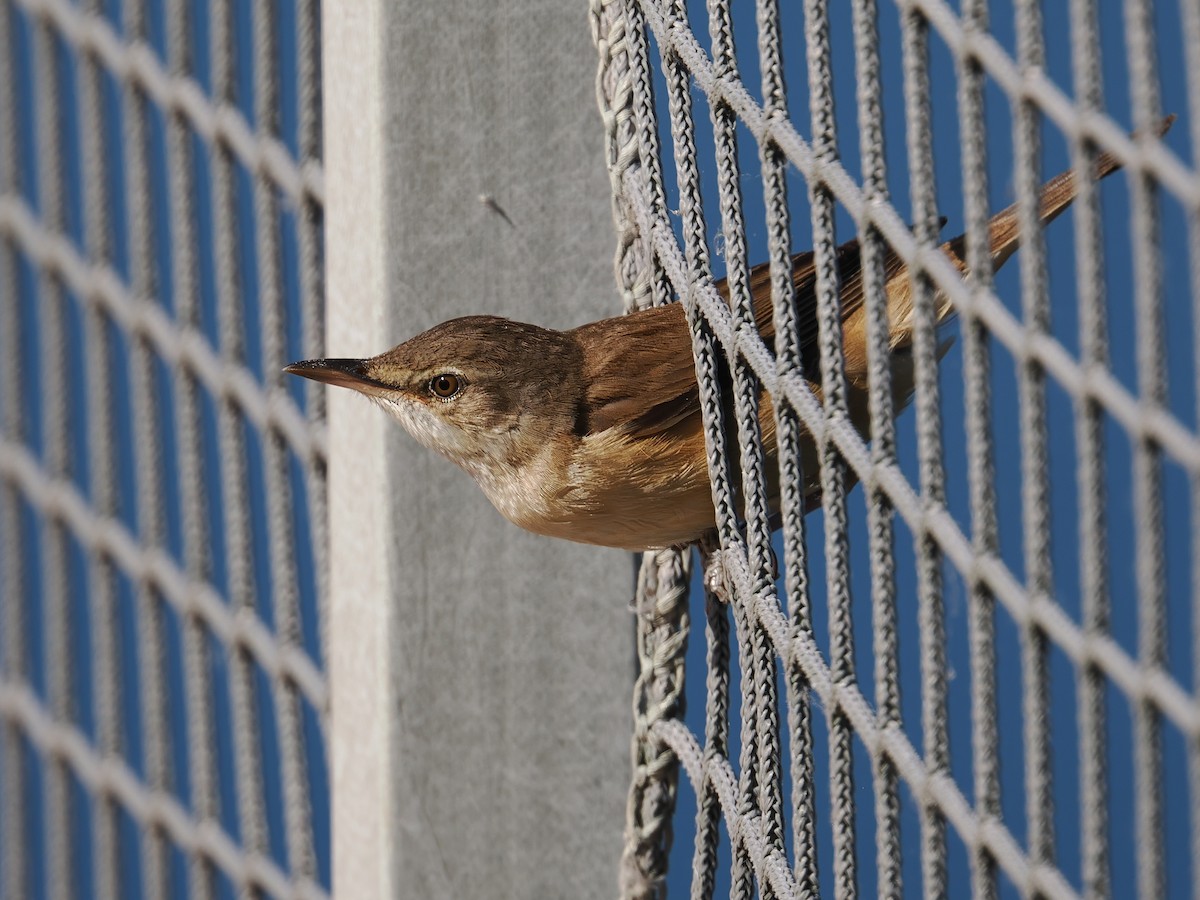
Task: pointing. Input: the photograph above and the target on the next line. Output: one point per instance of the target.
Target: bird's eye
(445, 386)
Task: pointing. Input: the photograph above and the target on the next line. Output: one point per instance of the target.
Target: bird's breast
(615, 490)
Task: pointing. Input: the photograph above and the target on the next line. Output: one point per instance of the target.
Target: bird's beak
(349, 373)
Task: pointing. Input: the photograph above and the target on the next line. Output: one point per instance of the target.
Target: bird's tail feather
(1055, 196)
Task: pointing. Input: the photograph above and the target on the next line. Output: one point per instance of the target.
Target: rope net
(955, 651)
(162, 491)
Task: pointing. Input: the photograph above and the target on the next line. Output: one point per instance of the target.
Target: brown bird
(595, 434)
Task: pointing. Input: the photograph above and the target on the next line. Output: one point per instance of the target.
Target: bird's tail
(1055, 196)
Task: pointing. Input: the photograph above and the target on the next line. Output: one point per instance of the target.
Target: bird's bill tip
(351, 373)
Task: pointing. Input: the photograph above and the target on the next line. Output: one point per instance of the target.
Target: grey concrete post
(480, 676)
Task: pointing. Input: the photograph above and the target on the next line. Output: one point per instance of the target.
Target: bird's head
(482, 390)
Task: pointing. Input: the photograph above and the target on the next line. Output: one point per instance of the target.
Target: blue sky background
(1181, 365)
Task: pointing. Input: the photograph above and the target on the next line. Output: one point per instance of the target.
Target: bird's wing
(639, 373)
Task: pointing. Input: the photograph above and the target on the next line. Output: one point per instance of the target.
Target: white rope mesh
(153, 548)
(664, 254)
